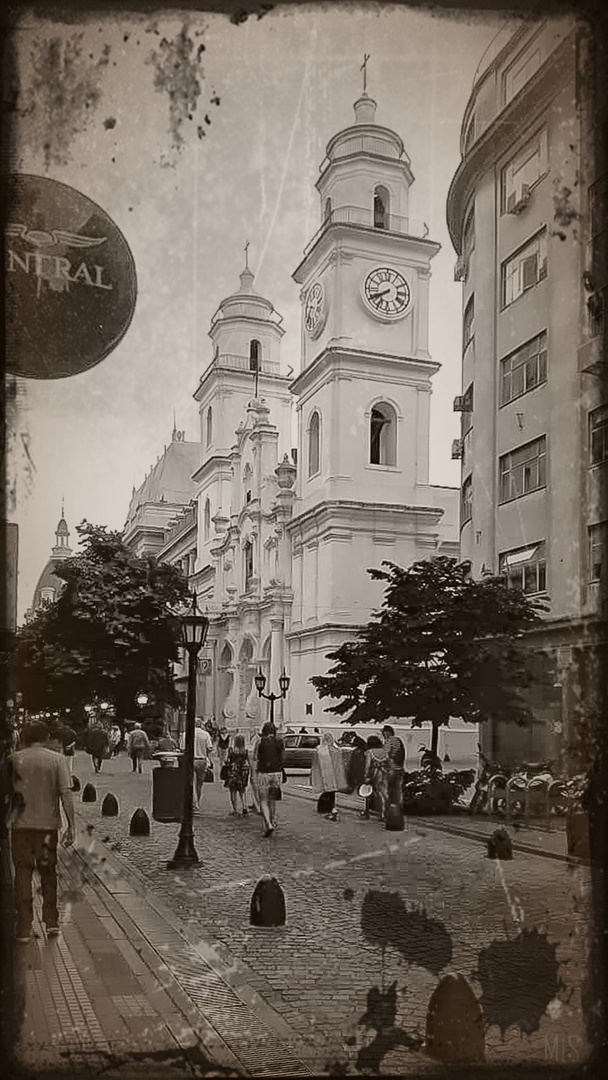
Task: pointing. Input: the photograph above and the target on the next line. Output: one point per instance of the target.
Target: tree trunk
(434, 739)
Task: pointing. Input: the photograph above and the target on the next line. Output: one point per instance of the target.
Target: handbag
(209, 775)
(224, 772)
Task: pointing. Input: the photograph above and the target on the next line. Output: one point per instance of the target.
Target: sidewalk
(123, 991)
(537, 838)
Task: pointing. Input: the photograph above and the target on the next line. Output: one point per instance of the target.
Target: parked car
(299, 750)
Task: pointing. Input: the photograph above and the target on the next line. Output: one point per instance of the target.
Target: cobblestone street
(316, 971)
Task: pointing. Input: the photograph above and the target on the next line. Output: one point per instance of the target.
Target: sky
(187, 196)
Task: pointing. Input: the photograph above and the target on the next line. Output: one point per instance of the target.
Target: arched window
(207, 520)
(328, 210)
(248, 561)
(255, 355)
(314, 444)
(381, 208)
(209, 425)
(383, 435)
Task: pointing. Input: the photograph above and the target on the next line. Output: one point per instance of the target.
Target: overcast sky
(274, 91)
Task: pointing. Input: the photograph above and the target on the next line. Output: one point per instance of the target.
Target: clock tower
(363, 493)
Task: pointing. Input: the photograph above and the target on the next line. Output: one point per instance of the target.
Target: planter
(577, 835)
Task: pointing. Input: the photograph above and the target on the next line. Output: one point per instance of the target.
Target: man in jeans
(395, 766)
(41, 782)
(203, 745)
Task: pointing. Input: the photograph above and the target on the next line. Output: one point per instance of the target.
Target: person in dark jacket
(98, 743)
(271, 751)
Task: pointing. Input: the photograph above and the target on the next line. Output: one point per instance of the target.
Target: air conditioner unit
(459, 403)
(519, 199)
(460, 268)
(457, 449)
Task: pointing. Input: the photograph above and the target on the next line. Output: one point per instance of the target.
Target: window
(519, 72)
(525, 568)
(468, 323)
(209, 425)
(255, 355)
(380, 208)
(598, 435)
(523, 470)
(524, 369)
(466, 501)
(207, 520)
(523, 172)
(524, 269)
(596, 303)
(598, 550)
(248, 559)
(314, 445)
(328, 210)
(468, 237)
(382, 435)
(466, 419)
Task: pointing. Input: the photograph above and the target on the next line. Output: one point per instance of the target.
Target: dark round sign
(70, 280)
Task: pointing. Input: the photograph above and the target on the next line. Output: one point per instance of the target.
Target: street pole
(185, 853)
(260, 682)
(194, 631)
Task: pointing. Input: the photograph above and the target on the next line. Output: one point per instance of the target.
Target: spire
(62, 536)
(246, 276)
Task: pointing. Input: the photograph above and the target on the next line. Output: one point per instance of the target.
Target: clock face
(387, 292)
(314, 308)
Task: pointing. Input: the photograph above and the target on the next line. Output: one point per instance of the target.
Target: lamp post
(193, 631)
(260, 683)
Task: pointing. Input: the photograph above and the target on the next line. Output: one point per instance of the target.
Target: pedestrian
(115, 740)
(237, 774)
(66, 737)
(376, 767)
(138, 746)
(270, 756)
(97, 743)
(166, 743)
(41, 782)
(203, 745)
(223, 743)
(395, 750)
(253, 772)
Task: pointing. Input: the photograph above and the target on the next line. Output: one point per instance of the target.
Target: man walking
(203, 745)
(98, 743)
(137, 747)
(41, 782)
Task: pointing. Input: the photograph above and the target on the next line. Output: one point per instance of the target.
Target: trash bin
(167, 793)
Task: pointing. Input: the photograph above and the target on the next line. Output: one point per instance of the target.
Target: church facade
(276, 539)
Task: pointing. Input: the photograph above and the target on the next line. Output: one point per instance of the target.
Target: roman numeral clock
(386, 293)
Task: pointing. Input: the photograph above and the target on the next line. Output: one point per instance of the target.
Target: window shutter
(530, 271)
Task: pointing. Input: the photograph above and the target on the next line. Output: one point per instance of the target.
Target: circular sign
(70, 280)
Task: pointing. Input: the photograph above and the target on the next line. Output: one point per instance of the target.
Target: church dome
(49, 585)
(365, 137)
(245, 303)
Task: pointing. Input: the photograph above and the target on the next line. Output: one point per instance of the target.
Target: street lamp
(260, 683)
(142, 699)
(193, 631)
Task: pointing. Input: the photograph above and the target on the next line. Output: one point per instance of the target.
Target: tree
(442, 645)
(109, 634)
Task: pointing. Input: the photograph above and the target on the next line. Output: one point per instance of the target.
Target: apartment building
(526, 213)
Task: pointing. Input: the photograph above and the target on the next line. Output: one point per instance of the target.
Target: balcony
(363, 217)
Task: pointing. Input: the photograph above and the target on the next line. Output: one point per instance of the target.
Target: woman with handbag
(236, 774)
(271, 752)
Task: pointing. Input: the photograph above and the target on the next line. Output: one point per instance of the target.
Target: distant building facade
(526, 212)
(284, 535)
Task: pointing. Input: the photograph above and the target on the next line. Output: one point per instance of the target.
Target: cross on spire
(247, 255)
(363, 68)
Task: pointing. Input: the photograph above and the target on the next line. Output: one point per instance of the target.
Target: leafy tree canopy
(110, 632)
(442, 645)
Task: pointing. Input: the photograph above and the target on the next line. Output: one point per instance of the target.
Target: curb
(468, 834)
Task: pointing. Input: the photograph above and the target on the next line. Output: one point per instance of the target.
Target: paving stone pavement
(315, 973)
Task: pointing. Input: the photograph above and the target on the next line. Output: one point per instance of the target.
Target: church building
(276, 539)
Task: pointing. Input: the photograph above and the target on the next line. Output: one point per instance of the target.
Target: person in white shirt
(203, 745)
(41, 785)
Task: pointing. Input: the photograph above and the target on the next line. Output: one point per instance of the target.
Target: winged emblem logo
(49, 255)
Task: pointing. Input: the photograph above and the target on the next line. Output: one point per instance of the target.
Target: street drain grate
(235, 1022)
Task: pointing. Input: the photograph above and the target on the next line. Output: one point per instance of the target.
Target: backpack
(138, 740)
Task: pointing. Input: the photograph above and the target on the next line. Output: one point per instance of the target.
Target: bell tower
(364, 389)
